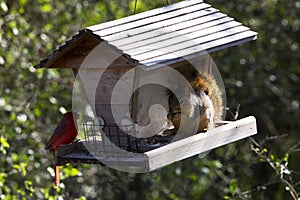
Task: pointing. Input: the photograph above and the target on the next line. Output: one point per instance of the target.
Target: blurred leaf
(4, 143)
(232, 187)
(46, 8)
(3, 176)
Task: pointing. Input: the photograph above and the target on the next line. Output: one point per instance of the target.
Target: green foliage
(261, 79)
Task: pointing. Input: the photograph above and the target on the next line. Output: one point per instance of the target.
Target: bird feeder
(123, 66)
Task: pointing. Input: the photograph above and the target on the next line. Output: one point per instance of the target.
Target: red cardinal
(64, 133)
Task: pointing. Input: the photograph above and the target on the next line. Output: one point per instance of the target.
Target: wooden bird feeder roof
(185, 29)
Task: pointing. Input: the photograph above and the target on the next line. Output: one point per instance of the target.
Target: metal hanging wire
(135, 7)
(135, 4)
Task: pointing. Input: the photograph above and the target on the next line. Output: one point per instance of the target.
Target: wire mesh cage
(109, 138)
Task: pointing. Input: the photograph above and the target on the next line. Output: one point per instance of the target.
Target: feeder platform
(161, 156)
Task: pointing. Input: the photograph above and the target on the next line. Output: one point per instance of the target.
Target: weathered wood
(85, 42)
(77, 158)
(201, 142)
(75, 62)
(141, 17)
(160, 31)
(195, 39)
(174, 39)
(173, 24)
(163, 155)
(200, 49)
(81, 152)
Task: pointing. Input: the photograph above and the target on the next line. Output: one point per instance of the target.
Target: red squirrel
(204, 103)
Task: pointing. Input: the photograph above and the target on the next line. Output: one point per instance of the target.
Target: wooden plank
(121, 63)
(151, 20)
(181, 35)
(153, 64)
(143, 15)
(180, 22)
(76, 158)
(173, 45)
(218, 43)
(116, 160)
(153, 34)
(54, 60)
(201, 142)
(125, 162)
(82, 152)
